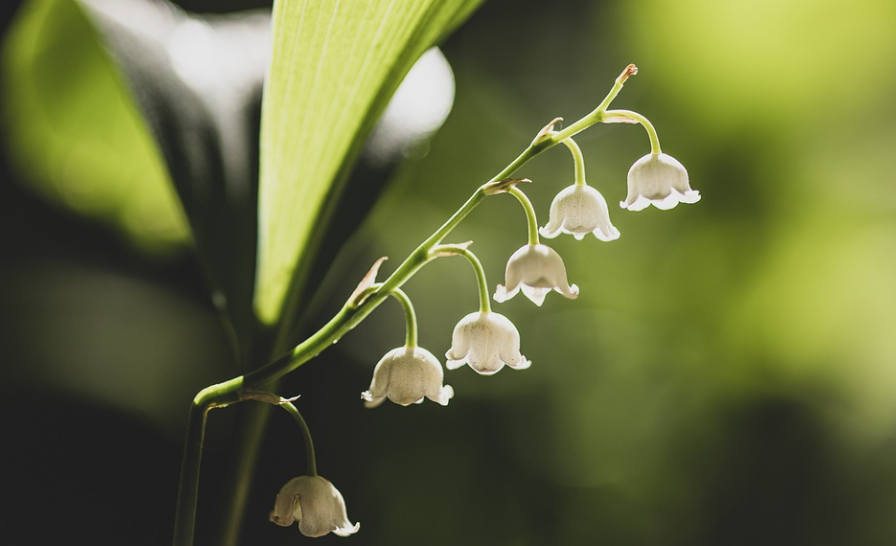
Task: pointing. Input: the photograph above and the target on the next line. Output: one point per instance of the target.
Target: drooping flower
(658, 180)
(580, 210)
(486, 341)
(405, 376)
(536, 269)
(315, 504)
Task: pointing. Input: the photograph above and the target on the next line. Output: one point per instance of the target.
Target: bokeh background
(726, 377)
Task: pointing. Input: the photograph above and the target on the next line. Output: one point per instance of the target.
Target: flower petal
(455, 364)
(347, 530)
(535, 294)
(606, 234)
(571, 292)
(446, 393)
(371, 401)
(502, 294)
(522, 365)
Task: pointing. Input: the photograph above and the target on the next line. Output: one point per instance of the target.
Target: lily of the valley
(405, 376)
(536, 269)
(658, 180)
(486, 341)
(579, 210)
(315, 504)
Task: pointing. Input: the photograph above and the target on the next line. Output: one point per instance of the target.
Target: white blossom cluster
(485, 340)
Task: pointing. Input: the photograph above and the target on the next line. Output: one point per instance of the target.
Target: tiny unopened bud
(630, 70)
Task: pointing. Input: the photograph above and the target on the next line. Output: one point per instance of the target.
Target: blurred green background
(726, 377)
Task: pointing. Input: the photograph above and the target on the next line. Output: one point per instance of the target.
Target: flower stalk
(578, 159)
(531, 221)
(306, 436)
(624, 115)
(353, 311)
(481, 282)
(410, 317)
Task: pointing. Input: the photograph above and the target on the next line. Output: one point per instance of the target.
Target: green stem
(530, 214)
(306, 435)
(409, 316)
(651, 131)
(458, 250)
(578, 159)
(348, 317)
(251, 430)
(596, 115)
(215, 396)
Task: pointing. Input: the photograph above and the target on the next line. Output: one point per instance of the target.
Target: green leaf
(112, 105)
(197, 80)
(334, 66)
(73, 131)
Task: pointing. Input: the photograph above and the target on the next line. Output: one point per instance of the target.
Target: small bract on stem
(485, 340)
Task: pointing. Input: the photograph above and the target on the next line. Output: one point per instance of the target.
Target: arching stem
(530, 214)
(409, 315)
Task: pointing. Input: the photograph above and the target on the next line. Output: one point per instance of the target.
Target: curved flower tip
(486, 341)
(316, 504)
(578, 211)
(536, 270)
(405, 376)
(658, 180)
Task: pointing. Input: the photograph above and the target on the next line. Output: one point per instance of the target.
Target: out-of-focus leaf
(80, 74)
(334, 66)
(198, 83)
(74, 132)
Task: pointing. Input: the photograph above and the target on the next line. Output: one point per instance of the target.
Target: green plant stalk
(410, 317)
(306, 436)
(482, 284)
(611, 115)
(208, 398)
(578, 159)
(347, 318)
(531, 221)
(596, 115)
(252, 428)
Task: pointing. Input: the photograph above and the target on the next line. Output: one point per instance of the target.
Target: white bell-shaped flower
(315, 504)
(580, 210)
(660, 180)
(536, 269)
(405, 376)
(486, 341)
